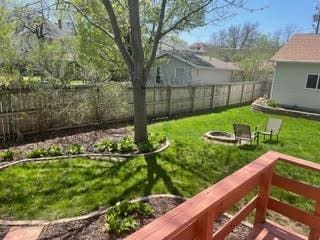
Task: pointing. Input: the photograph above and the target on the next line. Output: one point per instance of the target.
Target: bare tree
(237, 36)
(316, 17)
(289, 31)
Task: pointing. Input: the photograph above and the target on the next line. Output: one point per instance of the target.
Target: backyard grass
(68, 188)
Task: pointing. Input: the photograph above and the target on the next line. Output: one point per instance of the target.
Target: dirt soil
(3, 231)
(86, 139)
(93, 229)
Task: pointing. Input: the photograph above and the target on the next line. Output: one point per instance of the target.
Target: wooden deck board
(272, 231)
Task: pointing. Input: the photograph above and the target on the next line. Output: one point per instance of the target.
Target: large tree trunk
(140, 109)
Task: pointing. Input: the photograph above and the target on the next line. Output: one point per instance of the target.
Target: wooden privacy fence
(26, 110)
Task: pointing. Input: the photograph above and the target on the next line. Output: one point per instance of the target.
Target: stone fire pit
(220, 136)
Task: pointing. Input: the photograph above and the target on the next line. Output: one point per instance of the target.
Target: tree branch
(185, 18)
(95, 24)
(117, 34)
(158, 35)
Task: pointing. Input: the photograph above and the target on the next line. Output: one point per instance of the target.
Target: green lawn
(72, 187)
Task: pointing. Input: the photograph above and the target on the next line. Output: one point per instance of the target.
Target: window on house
(158, 75)
(313, 81)
(180, 75)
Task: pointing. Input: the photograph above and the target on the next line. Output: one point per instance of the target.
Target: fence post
(315, 233)
(263, 197)
(154, 102)
(170, 100)
(242, 89)
(96, 103)
(229, 91)
(193, 89)
(212, 97)
(253, 90)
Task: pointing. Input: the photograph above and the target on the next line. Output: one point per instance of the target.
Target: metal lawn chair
(272, 128)
(243, 132)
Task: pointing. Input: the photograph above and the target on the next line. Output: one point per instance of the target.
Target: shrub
(127, 145)
(54, 151)
(76, 149)
(153, 142)
(114, 146)
(120, 226)
(121, 218)
(37, 153)
(6, 155)
(272, 103)
(106, 145)
(146, 147)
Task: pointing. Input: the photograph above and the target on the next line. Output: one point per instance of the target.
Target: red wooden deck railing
(194, 218)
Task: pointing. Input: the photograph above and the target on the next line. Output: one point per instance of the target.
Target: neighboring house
(29, 36)
(296, 80)
(199, 47)
(180, 68)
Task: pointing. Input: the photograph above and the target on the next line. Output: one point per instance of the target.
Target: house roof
(200, 61)
(300, 48)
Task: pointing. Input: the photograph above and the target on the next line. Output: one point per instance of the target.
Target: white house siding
(289, 85)
(168, 67)
(210, 76)
(195, 76)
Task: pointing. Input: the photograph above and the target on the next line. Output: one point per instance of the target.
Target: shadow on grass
(155, 172)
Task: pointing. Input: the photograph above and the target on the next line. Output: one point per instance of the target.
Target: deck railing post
(205, 227)
(262, 201)
(315, 233)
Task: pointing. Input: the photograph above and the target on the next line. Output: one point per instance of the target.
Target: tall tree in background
(316, 17)
(98, 55)
(8, 54)
(136, 27)
(237, 36)
(44, 41)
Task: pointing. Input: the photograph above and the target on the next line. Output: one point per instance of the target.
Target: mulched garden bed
(3, 231)
(93, 229)
(86, 139)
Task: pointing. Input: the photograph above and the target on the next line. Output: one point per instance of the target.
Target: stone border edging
(223, 140)
(293, 113)
(88, 155)
(82, 217)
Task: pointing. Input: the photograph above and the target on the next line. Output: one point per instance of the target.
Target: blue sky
(276, 15)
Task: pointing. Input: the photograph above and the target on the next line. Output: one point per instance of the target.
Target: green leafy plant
(114, 146)
(146, 147)
(127, 145)
(54, 151)
(153, 142)
(37, 153)
(105, 145)
(272, 103)
(6, 155)
(76, 149)
(121, 218)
